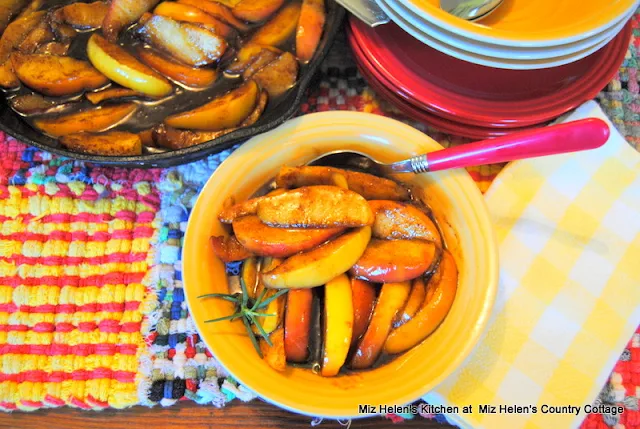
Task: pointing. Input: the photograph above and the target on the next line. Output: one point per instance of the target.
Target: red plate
(441, 124)
(480, 95)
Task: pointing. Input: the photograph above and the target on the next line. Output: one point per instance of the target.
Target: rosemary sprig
(247, 310)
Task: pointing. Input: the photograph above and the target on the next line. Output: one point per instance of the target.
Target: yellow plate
(453, 195)
(534, 23)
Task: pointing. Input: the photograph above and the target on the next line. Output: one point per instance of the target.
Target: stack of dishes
(507, 78)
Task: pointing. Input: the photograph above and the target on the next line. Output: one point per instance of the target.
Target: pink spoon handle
(573, 136)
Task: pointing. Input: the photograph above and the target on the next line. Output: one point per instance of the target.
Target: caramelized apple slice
(256, 10)
(265, 240)
(364, 299)
(146, 137)
(217, 10)
(10, 9)
(430, 315)
(274, 355)
(64, 32)
(188, 13)
(189, 76)
(112, 143)
(89, 120)
(391, 300)
(16, 32)
(8, 79)
(279, 75)
(315, 207)
(42, 33)
(247, 55)
(84, 16)
(189, 43)
(53, 48)
(122, 13)
(31, 104)
(321, 264)
(338, 319)
(228, 249)
(262, 58)
(56, 76)
(226, 111)
(394, 260)
(279, 28)
(297, 324)
(396, 220)
(110, 94)
(310, 28)
(415, 301)
(123, 68)
(369, 186)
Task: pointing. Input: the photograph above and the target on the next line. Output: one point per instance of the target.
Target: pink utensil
(574, 136)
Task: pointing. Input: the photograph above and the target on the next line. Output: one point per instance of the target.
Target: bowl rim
(356, 120)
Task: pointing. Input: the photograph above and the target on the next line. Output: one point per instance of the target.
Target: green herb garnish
(247, 309)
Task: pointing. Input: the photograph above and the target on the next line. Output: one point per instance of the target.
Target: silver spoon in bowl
(572, 136)
(471, 10)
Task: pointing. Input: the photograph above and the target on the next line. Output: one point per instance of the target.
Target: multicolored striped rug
(92, 311)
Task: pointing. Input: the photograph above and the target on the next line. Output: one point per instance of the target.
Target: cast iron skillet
(12, 124)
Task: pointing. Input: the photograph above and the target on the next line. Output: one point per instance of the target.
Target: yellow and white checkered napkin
(568, 229)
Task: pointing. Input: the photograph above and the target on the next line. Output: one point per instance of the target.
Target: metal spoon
(471, 10)
(572, 136)
(366, 11)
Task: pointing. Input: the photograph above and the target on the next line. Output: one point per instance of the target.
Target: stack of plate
(520, 34)
(481, 100)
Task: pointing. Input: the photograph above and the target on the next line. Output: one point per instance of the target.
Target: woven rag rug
(92, 310)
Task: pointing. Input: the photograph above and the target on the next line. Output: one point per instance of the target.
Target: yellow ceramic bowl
(458, 205)
(531, 22)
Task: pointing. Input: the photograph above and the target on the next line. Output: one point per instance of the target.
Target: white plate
(492, 50)
(485, 60)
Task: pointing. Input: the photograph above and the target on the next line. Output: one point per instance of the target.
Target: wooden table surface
(188, 415)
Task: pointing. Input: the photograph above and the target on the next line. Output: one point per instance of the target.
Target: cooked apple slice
(16, 32)
(256, 10)
(297, 324)
(110, 94)
(122, 13)
(321, 264)
(274, 355)
(189, 76)
(84, 16)
(8, 79)
(276, 311)
(338, 320)
(56, 76)
(279, 75)
(42, 33)
(228, 249)
(415, 301)
(188, 13)
(32, 104)
(364, 299)
(89, 120)
(394, 260)
(53, 48)
(396, 220)
(217, 10)
(315, 207)
(9, 9)
(246, 57)
(262, 59)
(391, 300)
(112, 143)
(265, 240)
(310, 28)
(123, 68)
(64, 32)
(432, 313)
(175, 139)
(253, 117)
(280, 28)
(369, 186)
(249, 275)
(192, 44)
(226, 111)
(146, 136)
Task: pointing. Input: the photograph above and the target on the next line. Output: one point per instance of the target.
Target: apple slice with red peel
(297, 324)
(415, 301)
(321, 264)
(338, 322)
(279, 28)
(266, 240)
(189, 13)
(386, 261)
(364, 300)
(393, 297)
(310, 29)
(398, 220)
(256, 10)
(435, 309)
(219, 11)
(228, 249)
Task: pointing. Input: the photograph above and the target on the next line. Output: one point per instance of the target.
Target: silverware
(471, 10)
(366, 11)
